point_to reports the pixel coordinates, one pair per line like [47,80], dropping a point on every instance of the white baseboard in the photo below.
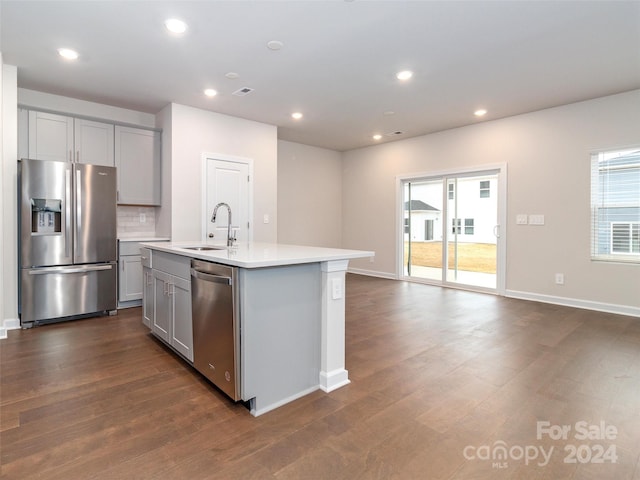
[330,381]
[256,412]
[372,273]
[536,297]
[9,324]
[576,303]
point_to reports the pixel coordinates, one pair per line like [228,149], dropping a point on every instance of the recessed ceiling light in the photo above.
[296,115]
[389,113]
[231,75]
[210,92]
[175,25]
[275,45]
[404,75]
[377,136]
[68,53]
[480,112]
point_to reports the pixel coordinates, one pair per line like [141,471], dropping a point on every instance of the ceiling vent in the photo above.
[243,91]
[393,134]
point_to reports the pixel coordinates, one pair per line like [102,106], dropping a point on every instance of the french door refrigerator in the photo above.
[67,237]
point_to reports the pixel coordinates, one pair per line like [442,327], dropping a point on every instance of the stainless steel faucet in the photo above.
[230,238]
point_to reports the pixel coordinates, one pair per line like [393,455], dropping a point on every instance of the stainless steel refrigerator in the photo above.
[67,237]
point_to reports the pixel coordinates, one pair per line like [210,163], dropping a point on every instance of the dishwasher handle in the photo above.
[208,277]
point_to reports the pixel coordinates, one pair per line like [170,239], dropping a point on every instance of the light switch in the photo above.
[521,219]
[536,219]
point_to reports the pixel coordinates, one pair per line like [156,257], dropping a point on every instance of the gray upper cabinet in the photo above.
[93,142]
[137,157]
[59,137]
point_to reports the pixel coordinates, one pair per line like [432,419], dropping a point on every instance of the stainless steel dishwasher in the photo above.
[215,333]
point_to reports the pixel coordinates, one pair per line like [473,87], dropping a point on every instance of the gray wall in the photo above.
[548,159]
[309,195]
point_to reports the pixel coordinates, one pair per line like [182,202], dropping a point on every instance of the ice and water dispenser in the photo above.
[46,216]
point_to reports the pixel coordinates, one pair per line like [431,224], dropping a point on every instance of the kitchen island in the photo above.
[289,313]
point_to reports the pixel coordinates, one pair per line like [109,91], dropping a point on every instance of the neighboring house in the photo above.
[425,224]
[474,200]
[616,204]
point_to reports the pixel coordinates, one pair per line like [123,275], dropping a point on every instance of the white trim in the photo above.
[334,266]
[203,174]
[576,303]
[373,273]
[257,412]
[9,324]
[330,381]
[500,170]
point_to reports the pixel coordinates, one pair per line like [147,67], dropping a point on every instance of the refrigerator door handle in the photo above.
[67,214]
[78,201]
[50,270]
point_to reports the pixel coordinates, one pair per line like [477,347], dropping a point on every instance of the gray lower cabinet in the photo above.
[171,289]
[130,281]
[147,287]
[130,284]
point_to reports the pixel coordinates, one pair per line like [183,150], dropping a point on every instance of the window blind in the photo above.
[615,206]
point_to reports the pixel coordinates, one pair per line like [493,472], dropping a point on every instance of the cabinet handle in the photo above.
[71,156]
[77,156]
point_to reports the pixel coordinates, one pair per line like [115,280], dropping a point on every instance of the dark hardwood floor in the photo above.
[441,381]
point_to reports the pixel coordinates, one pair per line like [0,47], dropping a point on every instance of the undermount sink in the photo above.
[201,248]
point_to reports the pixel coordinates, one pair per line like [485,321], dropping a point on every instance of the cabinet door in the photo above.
[50,137]
[137,156]
[162,306]
[147,302]
[93,142]
[130,284]
[182,333]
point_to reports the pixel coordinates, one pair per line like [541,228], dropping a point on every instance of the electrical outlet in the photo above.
[265,218]
[372,259]
[143,218]
[559,278]
[336,289]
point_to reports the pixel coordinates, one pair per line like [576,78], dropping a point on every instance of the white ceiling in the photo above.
[339,59]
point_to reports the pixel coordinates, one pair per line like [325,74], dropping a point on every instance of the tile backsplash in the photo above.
[134,220]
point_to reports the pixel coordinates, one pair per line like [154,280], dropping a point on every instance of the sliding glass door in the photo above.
[451,229]
[423,225]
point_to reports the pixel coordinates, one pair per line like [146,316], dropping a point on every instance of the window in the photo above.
[485,189]
[615,206]
[468,226]
[456,226]
[625,237]
[451,190]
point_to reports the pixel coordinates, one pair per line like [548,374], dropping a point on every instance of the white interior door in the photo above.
[227,181]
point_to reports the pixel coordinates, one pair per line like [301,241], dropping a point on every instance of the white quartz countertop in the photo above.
[258,255]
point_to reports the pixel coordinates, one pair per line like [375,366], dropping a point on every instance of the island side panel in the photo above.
[333,374]
[280,312]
